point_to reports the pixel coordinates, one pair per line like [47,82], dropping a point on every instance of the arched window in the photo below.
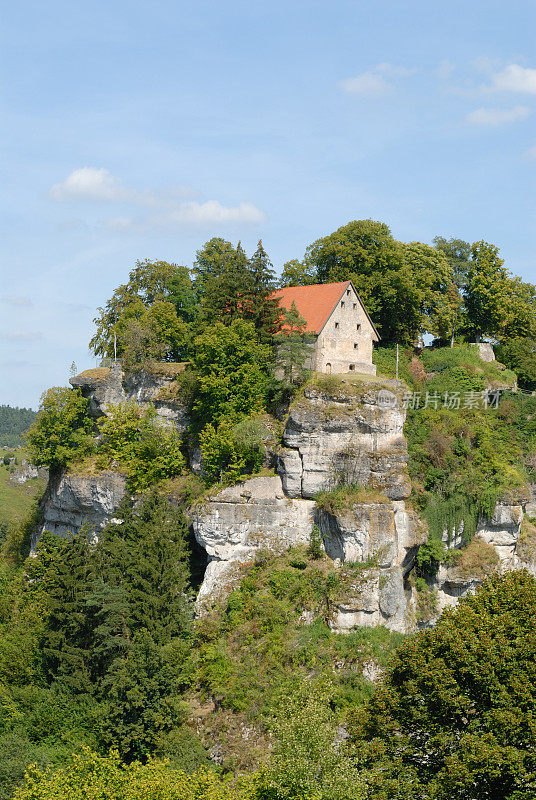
[328,368]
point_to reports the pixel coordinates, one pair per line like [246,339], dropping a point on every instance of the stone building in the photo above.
[336,316]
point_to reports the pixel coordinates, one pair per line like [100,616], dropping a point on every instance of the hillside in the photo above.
[240,566]
[13,423]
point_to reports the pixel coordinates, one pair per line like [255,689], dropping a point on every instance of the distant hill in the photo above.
[13,423]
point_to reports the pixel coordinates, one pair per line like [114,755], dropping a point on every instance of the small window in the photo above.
[336,325]
[355,306]
[352,367]
[358,326]
[356,346]
[348,293]
[342,303]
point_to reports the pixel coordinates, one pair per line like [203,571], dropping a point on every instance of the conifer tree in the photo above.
[147,557]
[66,643]
[262,308]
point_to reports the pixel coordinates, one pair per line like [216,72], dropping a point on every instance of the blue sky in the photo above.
[141,129]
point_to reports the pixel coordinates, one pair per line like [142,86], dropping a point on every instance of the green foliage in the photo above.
[316,545]
[147,452]
[293,347]
[232,371]
[248,651]
[149,283]
[231,451]
[519,355]
[13,423]
[406,288]
[152,334]
[90,775]
[429,557]
[453,716]
[61,432]
[298,273]
[308,760]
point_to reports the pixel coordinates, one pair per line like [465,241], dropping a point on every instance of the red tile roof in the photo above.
[314,303]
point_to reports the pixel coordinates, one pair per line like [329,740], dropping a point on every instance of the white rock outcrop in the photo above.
[72,501]
[107,386]
[240,520]
[352,438]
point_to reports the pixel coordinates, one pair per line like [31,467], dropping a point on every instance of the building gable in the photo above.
[317,303]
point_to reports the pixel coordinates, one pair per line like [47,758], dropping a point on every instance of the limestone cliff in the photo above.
[340,433]
[72,501]
[106,386]
[352,433]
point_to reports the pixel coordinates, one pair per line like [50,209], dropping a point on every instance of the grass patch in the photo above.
[95,375]
[16,500]
[167,369]
[477,560]
[344,498]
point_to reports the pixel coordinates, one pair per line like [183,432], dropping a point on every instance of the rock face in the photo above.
[106,386]
[350,438]
[350,434]
[498,544]
[71,501]
[233,524]
[385,537]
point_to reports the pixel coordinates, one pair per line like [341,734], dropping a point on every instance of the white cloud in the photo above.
[19,302]
[445,69]
[213,212]
[170,206]
[497,116]
[21,336]
[515,78]
[90,183]
[367,84]
[372,82]
[531,152]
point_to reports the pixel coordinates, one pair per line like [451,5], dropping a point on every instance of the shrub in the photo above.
[90,775]
[146,451]
[453,716]
[61,432]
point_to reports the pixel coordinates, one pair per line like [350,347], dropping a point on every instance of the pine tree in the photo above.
[262,308]
[67,641]
[147,557]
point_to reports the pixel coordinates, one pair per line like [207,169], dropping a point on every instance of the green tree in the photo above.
[88,775]
[222,457]
[211,261]
[454,714]
[293,347]
[520,356]
[183,295]
[148,283]
[62,430]
[401,285]
[147,556]
[142,700]
[226,293]
[298,273]
[66,643]
[458,254]
[131,436]
[232,369]
[487,291]
[262,308]
[308,759]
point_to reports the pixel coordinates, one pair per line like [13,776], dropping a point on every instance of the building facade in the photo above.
[335,314]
